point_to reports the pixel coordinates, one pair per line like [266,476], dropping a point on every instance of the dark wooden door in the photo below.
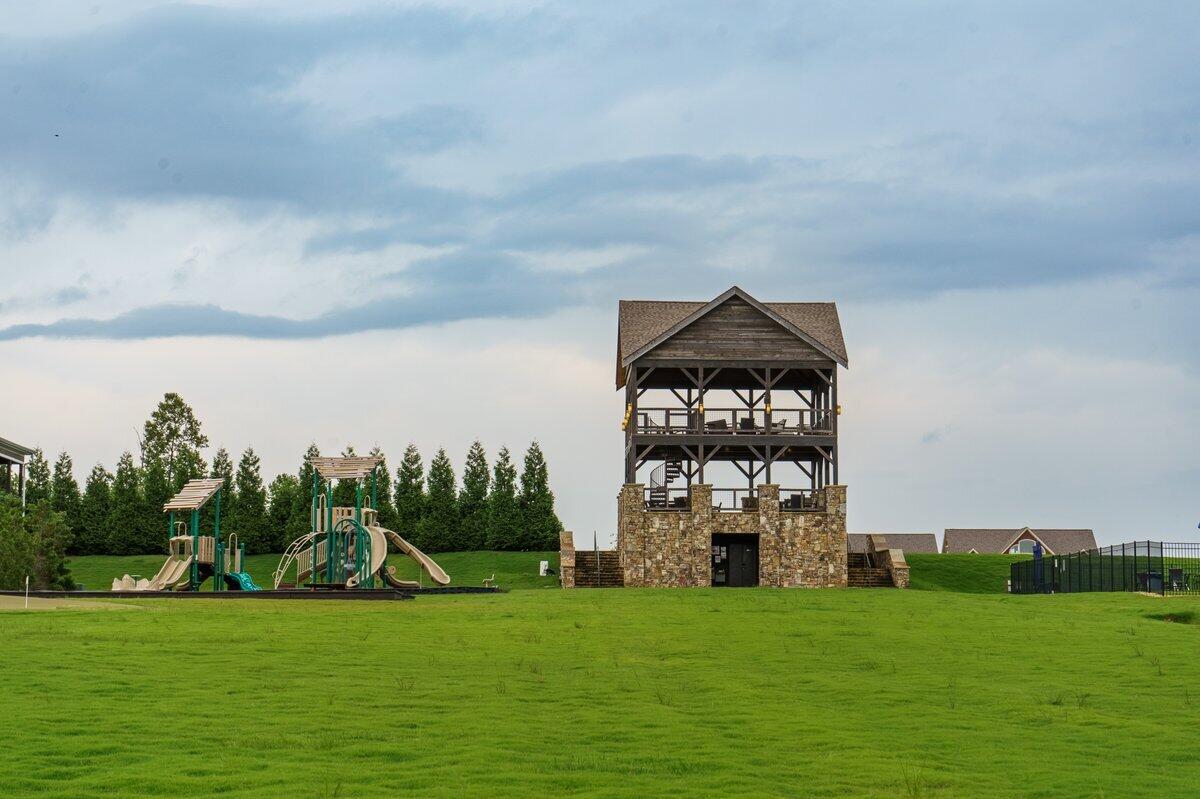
[735,561]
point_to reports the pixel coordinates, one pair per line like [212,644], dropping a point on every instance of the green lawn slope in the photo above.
[970,574]
[513,570]
[664,693]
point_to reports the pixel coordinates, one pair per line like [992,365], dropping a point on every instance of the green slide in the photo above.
[240,581]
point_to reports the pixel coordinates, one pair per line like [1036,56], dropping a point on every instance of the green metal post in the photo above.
[195,579]
[329,537]
[218,547]
[170,527]
[374,505]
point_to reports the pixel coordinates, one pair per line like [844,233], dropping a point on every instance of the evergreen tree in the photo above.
[300,520]
[172,438]
[37,479]
[438,528]
[65,497]
[50,536]
[383,491]
[540,527]
[504,511]
[410,494]
[17,551]
[283,491]
[249,519]
[126,513]
[222,467]
[343,490]
[93,538]
[472,501]
[156,491]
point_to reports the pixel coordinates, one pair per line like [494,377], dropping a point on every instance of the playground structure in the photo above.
[195,557]
[345,547]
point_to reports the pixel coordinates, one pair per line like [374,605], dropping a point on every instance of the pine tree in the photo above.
[343,490]
[126,512]
[17,551]
[65,498]
[37,479]
[410,494]
[472,501]
[282,500]
[383,491]
[94,511]
[504,512]
[249,519]
[156,492]
[439,524]
[222,467]
[50,535]
[540,527]
[172,438]
[300,520]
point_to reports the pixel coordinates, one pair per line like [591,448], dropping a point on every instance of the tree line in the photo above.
[120,512]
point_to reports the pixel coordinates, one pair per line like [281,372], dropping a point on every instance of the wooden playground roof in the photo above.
[194,494]
[345,468]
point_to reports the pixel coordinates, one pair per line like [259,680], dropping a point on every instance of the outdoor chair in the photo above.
[716,424]
[1177,580]
[746,424]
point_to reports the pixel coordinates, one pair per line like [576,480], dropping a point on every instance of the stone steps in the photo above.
[866,577]
[608,575]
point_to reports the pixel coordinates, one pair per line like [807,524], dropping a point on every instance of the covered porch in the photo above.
[13,458]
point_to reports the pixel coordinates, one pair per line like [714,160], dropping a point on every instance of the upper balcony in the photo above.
[735,421]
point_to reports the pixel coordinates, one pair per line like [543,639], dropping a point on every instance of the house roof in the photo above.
[12,452]
[643,324]
[1058,542]
[909,543]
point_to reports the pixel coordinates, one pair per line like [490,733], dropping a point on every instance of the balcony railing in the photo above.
[668,499]
[747,499]
[735,421]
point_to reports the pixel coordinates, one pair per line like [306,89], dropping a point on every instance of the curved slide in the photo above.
[174,571]
[435,572]
[379,553]
[240,581]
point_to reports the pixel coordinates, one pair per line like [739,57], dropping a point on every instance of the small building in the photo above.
[1021,540]
[13,455]
[731,443]
[909,543]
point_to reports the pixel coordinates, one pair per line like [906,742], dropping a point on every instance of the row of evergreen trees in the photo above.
[120,513]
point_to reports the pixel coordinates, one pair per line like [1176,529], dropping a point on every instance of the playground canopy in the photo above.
[194,494]
[345,468]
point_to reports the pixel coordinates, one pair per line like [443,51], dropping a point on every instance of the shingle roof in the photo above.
[641,321]
[919,543]
[1059,542]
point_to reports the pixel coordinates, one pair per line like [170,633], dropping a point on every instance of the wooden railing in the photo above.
[747,499]
[735,421]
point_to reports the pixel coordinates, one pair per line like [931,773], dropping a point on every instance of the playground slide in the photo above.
[378,554]
[435,572]
[240,581]
[175,570]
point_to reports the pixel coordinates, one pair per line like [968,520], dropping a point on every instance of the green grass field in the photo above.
[934,693]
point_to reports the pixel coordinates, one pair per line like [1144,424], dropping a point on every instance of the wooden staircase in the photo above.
[862,574]
[607,575]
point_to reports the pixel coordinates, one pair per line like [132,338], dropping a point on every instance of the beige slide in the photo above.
[379,553]
[435,572]
[174,571]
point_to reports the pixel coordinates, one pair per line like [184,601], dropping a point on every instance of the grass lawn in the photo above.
[972,574]
[607,693]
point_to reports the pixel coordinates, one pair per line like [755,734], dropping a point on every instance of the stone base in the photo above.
[673,548]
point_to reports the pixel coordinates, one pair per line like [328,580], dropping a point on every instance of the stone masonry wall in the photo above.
[668,548]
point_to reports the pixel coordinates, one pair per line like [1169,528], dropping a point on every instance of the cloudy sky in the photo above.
[377,223]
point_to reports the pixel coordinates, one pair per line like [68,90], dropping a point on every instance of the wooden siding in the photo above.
[735,330]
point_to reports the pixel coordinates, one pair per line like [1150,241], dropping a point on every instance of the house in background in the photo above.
[908,543]
[13,454]
[992,542]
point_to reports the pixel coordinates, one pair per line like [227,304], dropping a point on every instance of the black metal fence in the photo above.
[1150,566]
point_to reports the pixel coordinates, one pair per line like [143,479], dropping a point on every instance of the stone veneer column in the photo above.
[631,533]
[566,559]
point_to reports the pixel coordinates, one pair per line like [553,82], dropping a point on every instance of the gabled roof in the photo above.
[644,324]
[13,452]
[194,494]
[345,468]
[1057,542]
[909,543]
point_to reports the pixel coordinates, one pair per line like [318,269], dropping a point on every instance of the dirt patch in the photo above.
[43,603]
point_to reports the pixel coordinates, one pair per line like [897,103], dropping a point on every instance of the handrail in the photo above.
[290,555]
[735,421]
